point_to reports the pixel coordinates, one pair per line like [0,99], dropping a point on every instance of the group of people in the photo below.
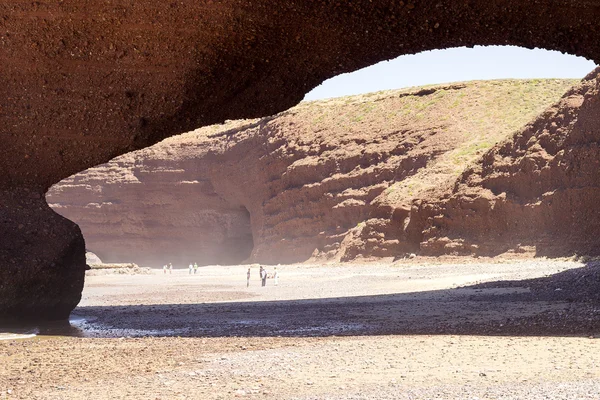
[193,267]
[263,276]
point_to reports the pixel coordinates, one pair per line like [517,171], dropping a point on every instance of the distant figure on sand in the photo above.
[248,278]
[170,268]
[263,276]
[276,276]
[165,268]
[191,268]
[195,268]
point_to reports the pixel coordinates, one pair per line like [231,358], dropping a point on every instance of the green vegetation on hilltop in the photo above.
[483,115]
[478,115]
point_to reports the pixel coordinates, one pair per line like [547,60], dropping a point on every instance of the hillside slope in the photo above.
[536,192]
[332,179]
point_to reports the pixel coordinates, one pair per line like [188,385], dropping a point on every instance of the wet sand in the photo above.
[488,330]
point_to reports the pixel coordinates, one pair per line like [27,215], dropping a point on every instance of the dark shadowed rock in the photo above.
[42,258]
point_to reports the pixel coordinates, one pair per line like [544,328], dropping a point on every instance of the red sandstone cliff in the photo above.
[331,179]
[538,191]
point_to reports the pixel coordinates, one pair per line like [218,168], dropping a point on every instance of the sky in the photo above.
[454,65]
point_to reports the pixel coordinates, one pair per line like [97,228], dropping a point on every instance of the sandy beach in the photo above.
[411,330]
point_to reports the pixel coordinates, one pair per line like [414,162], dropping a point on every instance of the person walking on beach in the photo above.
[248,278]
[170,268]
[263,276]
[191,268]
[165,269]
[195,268]
[276,276]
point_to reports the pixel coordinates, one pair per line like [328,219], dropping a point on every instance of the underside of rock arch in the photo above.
[82,82]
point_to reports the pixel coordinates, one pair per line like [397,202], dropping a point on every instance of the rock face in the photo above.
[330,179]
[155,207]
[56,268]
[82,82]
[537,192]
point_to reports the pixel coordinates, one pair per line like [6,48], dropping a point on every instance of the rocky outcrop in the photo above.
[537,192]
[82,82]
[329,180]
[56,268]
[91,258]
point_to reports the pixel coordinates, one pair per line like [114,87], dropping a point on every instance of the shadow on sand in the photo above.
[564,304]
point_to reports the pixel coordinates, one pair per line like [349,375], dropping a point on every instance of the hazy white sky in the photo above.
[452,65]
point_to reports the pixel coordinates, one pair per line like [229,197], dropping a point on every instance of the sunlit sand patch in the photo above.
[15,336]
[45,330]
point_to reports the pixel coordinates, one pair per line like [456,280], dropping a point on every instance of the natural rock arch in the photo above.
[82,83]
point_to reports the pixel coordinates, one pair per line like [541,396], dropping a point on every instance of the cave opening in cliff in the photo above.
[245,244]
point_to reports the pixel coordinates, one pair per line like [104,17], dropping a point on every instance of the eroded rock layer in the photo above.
[156,207]
[328,179]
[537,192]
